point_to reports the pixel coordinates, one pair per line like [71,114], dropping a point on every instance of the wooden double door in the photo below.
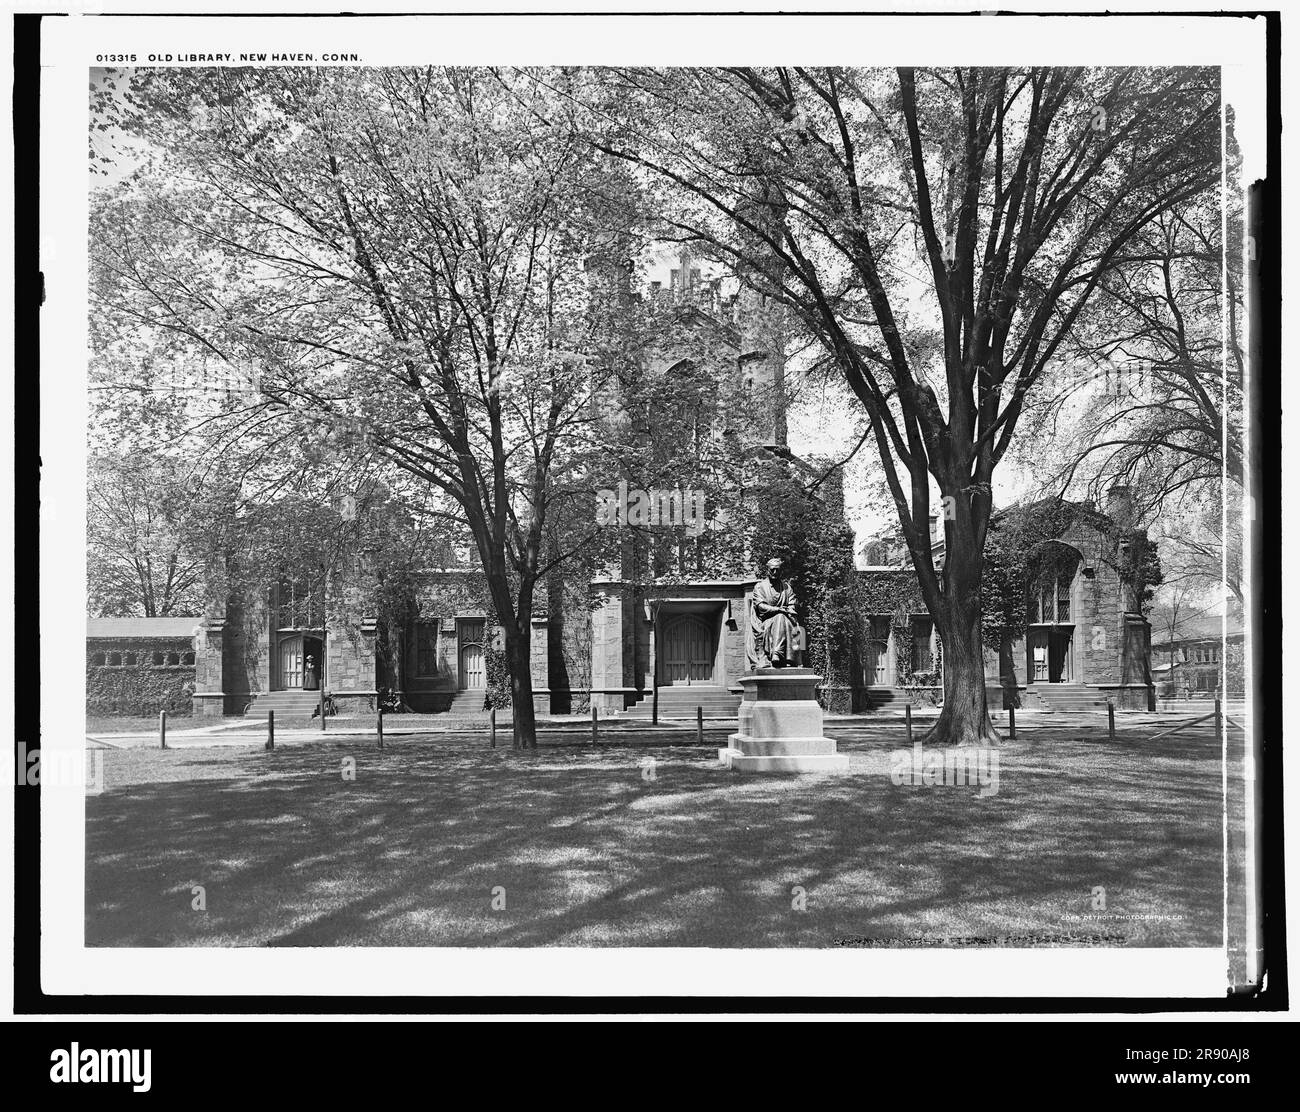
[688,649]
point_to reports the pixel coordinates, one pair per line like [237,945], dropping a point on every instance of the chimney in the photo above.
[1119,505]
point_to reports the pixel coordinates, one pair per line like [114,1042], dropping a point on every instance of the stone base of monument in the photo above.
[780,725]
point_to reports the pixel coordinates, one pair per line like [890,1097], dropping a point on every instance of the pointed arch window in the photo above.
[300,600]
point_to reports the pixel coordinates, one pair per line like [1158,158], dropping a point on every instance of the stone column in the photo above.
[244,667]
[539,664]
[209,646]
[607,642]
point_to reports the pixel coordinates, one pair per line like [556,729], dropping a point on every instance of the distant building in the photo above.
[1202,659]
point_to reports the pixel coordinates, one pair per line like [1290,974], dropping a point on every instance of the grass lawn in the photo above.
[591,851]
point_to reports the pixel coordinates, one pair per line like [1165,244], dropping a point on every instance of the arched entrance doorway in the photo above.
[877,654]
[299,662]
[472,671]
[1050,610]
[688,652]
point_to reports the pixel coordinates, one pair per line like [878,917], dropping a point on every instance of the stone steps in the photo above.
[680,702]
[883,698]
[286,704]
[1062,698]
[788,747]
[468,702]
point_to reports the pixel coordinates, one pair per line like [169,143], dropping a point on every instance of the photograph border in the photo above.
[30,997]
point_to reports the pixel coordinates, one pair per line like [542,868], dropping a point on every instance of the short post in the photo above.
[1110,719]
[322,702]
[1011,722]
[492,726]
[1218,716]
[270,729]
[379,723]
[654,704]
[699,725]
[595,736]
[907,710]
[162,729]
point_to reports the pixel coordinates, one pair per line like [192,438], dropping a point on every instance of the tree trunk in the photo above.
[519,663]
[964,719]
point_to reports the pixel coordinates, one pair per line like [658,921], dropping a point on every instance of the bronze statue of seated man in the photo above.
[775,632]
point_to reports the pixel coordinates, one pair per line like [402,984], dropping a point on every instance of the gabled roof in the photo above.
[142,627]
[1205,627]
[1070,511]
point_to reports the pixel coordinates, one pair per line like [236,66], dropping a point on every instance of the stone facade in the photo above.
[350,667]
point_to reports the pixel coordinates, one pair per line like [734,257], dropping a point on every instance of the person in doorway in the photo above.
[310,682]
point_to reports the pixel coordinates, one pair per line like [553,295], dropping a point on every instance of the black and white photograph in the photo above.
[748,503]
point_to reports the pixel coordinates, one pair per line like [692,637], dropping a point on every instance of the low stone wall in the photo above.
[139,676]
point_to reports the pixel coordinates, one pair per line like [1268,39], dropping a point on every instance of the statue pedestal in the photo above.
[781,725]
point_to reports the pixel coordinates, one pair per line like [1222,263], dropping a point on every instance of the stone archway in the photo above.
[1051,612]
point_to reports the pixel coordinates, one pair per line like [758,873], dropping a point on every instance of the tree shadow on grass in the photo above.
[447,847]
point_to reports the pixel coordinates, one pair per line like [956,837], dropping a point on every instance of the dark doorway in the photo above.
[1051,654]
[313,663]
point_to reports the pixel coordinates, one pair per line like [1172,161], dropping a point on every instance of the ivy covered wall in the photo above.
[139,676]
